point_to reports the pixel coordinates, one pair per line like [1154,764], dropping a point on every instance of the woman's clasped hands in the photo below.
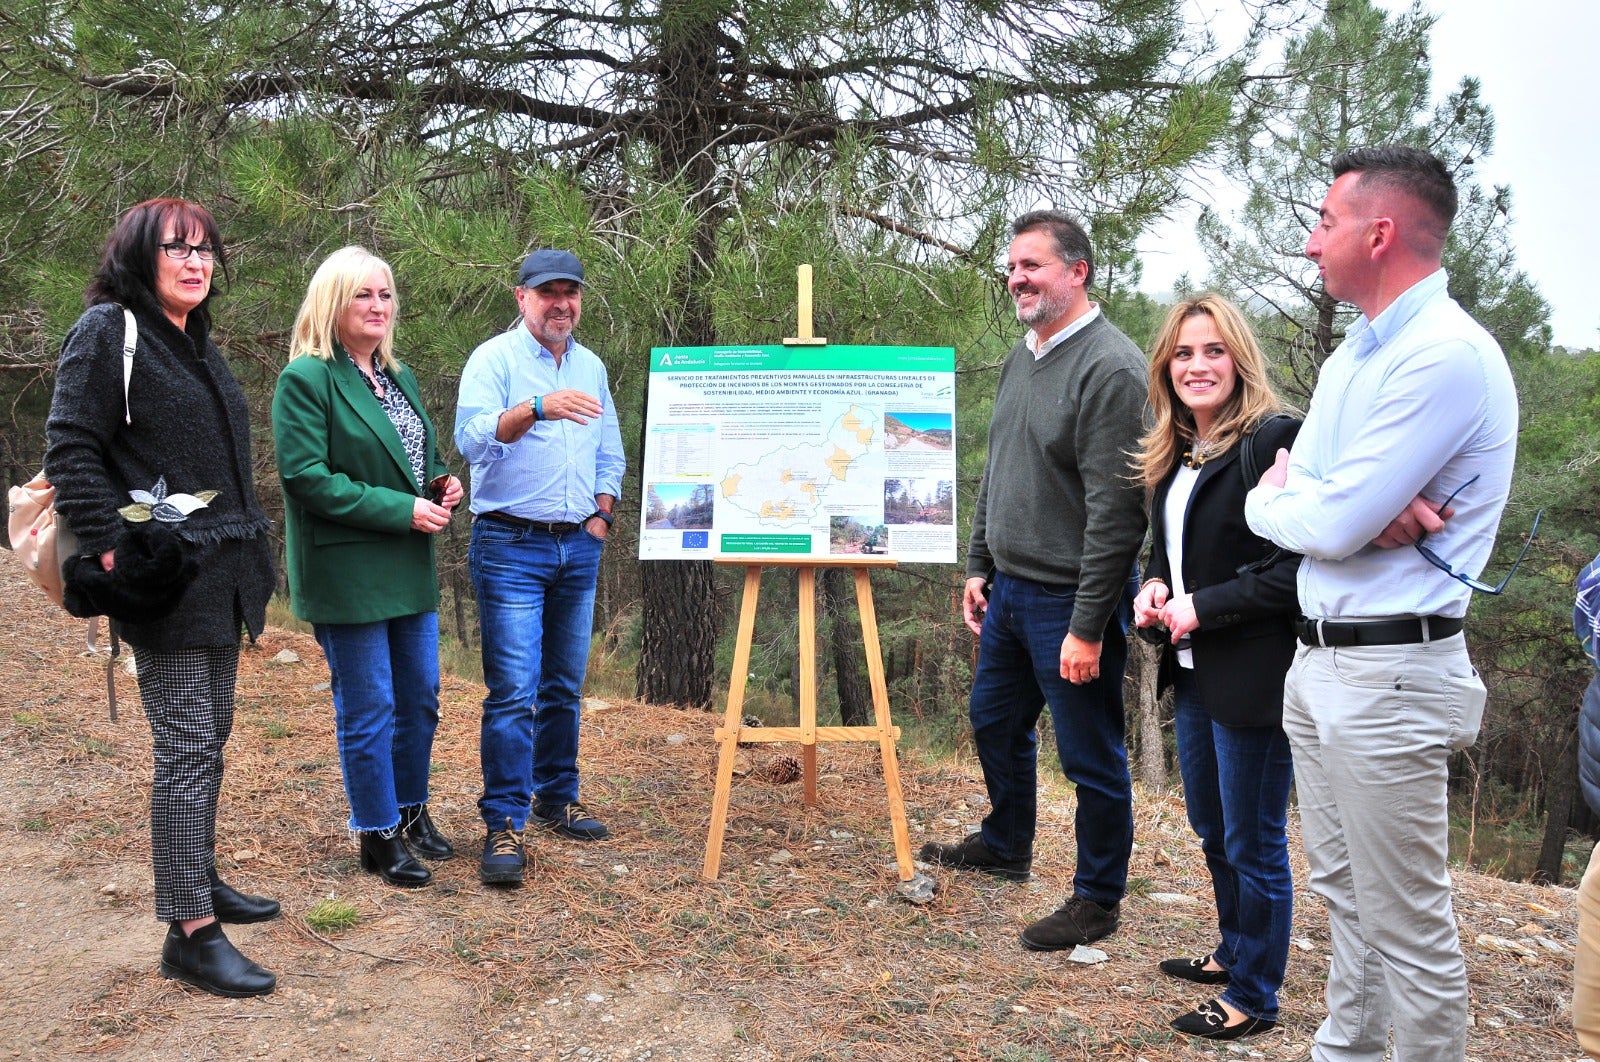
[1156,607]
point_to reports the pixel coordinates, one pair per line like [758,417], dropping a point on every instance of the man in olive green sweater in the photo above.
[1058,524]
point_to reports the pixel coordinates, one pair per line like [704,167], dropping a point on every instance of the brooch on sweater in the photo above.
[157,504]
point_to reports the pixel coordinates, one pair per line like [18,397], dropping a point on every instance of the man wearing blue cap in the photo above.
[536,423]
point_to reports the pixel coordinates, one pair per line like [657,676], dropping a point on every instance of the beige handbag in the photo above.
[36,534]
[40,537]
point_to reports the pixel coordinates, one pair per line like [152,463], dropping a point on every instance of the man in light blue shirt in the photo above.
[536,423]
[1416,404]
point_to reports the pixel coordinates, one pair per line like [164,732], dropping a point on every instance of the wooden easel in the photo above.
[808,733]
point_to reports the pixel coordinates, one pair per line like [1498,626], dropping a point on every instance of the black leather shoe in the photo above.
[1211,1021]
[1194,970]
[385,854]
[239,908]
[208,960]
[972,854]
[422,836]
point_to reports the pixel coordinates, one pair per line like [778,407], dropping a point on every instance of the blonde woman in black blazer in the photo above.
[1223,601]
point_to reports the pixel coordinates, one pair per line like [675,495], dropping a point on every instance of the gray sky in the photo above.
[1536,60]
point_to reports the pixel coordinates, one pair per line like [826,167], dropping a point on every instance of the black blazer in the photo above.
[1245,641]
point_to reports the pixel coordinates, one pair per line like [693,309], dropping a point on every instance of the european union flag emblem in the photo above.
[697,540]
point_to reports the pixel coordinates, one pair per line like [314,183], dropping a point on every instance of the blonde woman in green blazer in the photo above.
[364,493]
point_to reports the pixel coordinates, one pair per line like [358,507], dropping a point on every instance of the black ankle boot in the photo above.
[208,960]
[384,853]
[239,908]
[422,836]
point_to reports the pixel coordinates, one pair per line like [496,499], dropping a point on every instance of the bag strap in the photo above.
[1250,467]
[130,340]
[1249,463]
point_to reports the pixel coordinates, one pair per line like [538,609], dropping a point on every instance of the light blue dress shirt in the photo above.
[1418,400]
[554,471]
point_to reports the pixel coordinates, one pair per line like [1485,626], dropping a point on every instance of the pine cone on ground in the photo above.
[780,770]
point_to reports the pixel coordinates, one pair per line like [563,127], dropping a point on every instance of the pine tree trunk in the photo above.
[1152,747]
[1558,792]
[855,704]
[677,658]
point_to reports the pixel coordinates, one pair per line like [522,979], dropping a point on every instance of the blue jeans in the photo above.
[535,611]
[1236,783]
[386,708]
[1019,671]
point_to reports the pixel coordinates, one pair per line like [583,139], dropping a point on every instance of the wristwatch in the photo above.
[602,514]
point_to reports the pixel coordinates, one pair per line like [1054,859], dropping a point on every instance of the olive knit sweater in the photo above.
[1059,502]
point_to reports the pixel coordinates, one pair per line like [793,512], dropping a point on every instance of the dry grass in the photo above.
[803,945]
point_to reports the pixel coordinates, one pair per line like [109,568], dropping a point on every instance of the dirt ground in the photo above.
[803,948]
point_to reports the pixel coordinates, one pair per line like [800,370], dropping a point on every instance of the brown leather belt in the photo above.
[544,526]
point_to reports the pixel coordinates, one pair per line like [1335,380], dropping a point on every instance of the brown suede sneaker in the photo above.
[1078,921]
[972,854]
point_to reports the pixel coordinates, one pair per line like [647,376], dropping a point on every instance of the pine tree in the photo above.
[691,151]
[1358,77]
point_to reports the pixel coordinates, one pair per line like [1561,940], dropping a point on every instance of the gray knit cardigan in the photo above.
[191,427]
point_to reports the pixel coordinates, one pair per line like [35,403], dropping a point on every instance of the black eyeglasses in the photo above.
[181,251]
[1481,587]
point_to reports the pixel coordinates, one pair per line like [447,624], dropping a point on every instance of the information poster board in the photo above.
[800,450]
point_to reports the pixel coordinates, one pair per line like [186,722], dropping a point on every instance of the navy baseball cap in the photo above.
[542,266]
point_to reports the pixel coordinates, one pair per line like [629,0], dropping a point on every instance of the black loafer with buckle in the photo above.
[1194,970]
[1210,1021]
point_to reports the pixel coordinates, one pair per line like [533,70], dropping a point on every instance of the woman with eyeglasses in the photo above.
[1224,601]
[178,432]
[364,494]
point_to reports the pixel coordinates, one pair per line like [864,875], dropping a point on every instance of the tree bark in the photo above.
[1558,810]
[855,704]
[1152,747]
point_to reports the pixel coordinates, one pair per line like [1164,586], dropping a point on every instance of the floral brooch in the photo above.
[157,504]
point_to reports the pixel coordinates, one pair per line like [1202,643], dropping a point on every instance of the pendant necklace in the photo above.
[1197,453]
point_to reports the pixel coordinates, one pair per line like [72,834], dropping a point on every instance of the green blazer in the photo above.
[348,496]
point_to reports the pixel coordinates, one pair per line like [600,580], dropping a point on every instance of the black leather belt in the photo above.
[529,525]
[1413,629]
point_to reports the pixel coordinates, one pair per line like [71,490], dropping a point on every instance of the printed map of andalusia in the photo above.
[785,487]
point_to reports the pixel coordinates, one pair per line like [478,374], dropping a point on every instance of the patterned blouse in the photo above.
[413,435]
